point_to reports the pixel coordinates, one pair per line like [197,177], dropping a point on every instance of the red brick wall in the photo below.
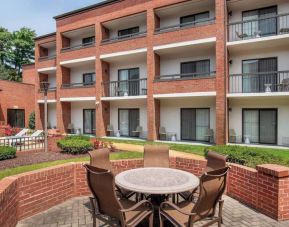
[28,74]
[15,95]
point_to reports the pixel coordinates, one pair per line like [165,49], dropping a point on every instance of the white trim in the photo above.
[255,40]
[123,98]
[77,99]
[187,43]
[48,101]
[122,53]
[243,95]
[192,94]
[78,60]
[46,69]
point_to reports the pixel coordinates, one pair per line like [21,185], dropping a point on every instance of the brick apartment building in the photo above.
[189,69]
[17,100]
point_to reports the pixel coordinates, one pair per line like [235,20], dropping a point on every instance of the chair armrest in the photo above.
[176,208]
[137,206]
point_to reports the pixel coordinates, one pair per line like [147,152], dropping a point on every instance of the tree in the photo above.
[5,44]
[32,120]
[7,73]
[22,51]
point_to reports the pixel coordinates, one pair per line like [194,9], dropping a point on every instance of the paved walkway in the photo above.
[74,213]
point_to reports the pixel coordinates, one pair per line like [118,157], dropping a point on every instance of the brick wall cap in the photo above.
[242,167]
[274,170]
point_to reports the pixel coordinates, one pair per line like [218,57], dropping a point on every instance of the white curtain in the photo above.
[123,122]
[123,81]
[251,125]
[202,123]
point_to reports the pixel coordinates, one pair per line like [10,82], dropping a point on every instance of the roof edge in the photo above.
[45,36]
[87,8]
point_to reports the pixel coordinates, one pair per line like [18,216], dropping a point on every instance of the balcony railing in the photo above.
[257,28]
[260,82]
[125,37]
[125,88]
[185,76]
[196,23]
[76,47]
[78,85]
[49,89]
[44,58]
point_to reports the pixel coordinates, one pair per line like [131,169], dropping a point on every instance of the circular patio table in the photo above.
[157,181]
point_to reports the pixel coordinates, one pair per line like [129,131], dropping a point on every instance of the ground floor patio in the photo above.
[75,212]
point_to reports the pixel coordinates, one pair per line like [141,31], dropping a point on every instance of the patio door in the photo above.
[194,124]
[260,125]
[128,81]
[128,120]
[89,121]
[16,118]
[197,68]
[258,72]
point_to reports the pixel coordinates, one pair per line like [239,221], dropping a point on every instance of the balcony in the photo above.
[259,28]
[51,94]
[78,85]
[265,82]
[124,37]
[44,58]
[78,46]
[75,90]
[185,76]
[125,88]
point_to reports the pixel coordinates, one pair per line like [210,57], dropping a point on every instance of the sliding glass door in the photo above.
[128,120]
[194,124]
[16,118]
[260,125]
[128,81]
[89,121]
[258,72]
[197,68]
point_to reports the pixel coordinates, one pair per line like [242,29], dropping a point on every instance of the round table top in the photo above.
[157,180]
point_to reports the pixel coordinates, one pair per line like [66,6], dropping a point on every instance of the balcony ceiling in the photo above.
[49,45]
[88,31]
[125,22]
[249,4]
[134,57]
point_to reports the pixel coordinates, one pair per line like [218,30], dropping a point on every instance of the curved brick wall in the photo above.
[21,196]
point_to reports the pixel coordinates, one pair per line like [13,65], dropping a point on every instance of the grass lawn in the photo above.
[27,168]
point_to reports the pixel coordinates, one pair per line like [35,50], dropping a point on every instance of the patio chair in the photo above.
[105,202]
[210,135]
[186,213]
[284,86]
[232,136]
[138,131]
[215,161]
[162,133]
[100,159]
[110,130]
[37,133]
[241,35]
[156,156]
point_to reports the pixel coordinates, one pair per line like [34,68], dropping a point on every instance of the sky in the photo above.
[36,14]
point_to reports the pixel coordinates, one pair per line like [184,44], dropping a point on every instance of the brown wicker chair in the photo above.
[186,213]
[105,202]
[156,156]
[214,161]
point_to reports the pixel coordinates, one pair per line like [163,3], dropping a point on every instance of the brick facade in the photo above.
[21,196]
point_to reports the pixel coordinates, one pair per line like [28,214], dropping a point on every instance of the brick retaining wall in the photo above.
[265,188]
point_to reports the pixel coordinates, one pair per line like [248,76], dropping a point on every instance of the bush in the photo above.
[32,120]
[252,156]
[7,152]
[75,144]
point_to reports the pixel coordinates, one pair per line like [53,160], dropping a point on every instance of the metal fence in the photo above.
[185,76]
[257,28]
[125,88]
[124,37]
[80,46]
[23,143]
[77,85]
[259,82]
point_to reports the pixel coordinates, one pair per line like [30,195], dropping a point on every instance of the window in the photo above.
[194,124]
[16,118]
[127,32]
[88,79]
[261,22]
[197,68]
[128,81]
[260,125]
[128,121]
[88,41]
[258,72]
[195,19]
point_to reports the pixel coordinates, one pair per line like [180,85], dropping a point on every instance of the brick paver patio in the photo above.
[75,213]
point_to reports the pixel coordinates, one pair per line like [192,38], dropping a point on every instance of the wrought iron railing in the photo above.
[78,85]
[23,143]
[257,28]
[41,90]
[124,37]
[80,46]
[185,76]
[43,58]
[259,82]
[125,88]
[195,23]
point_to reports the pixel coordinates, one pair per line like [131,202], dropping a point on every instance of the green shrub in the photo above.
[32,120]
[252,156]
[74,146]
[7,152]
[78,137]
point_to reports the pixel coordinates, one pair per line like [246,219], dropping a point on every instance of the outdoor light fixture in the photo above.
[44,86]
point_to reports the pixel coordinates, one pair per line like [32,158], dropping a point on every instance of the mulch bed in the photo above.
[27,158]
